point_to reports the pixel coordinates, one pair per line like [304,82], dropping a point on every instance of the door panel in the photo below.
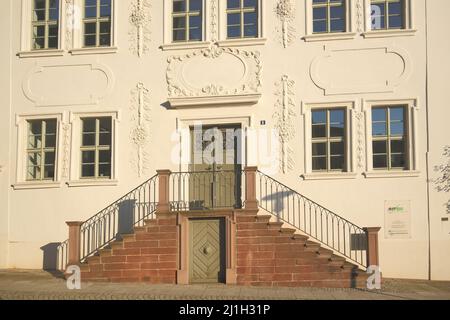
[207,252]
[215,183]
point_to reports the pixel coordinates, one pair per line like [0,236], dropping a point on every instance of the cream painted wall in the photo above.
[439,137]
[5,104]
[37,216]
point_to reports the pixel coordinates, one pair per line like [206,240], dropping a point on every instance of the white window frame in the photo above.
[75,159]
[411,118]
[350,151]
[169,44]
[22,142]
[348,34]
[26,48]
[222,27]
[78,31]
[409,29]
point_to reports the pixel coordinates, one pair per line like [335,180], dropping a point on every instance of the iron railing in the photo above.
[62,255]
[118,218]
[314,220]
[203,190]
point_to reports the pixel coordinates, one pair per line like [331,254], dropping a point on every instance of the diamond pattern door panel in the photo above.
[206,250]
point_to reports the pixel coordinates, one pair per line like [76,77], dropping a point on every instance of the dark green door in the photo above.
[207,251]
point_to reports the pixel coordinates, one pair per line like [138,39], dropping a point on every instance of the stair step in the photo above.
[140,229]
[312,246]
[150,222]
[287,230]
[128,237]
[93,260]
[300,237]
[337,261]
[117,245]
[275,225]
[105,252]
[253,218]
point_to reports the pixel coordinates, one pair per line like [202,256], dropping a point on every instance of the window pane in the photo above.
[105,11]
[378,12]
[195,34]
[179,22]
[234,31]
[337,123]
[49,158]
[179,35]
[104,156]
[105,139]
[35,127]
[337,163]
[89,125]
[105,27]
[90,12]
[319,163]
[379,129]
[33,173]
[88,139]
[337,148]
[179,5]
[234,19]
[379,147]
[319,117]
[397,146]
[250,3]
[88,157]
[380,161]
[89,41]
[49,172]
[39,4]
[378,114]
[88,171]
[53,43]
[319,131]
[50,140]
[397,129]
[398,161]
[232,4]
[104,170]
[105,40]
[195,5]
[35,141]
[319,149]
[34,159]
[39,43]
[39,15]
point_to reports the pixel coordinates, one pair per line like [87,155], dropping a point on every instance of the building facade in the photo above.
[342,101]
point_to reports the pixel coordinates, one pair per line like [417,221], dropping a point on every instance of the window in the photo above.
[242,19]
[97,23]
[387,14]
[45,24]
[187,20]
[96,148]
[389,138]
[328,140]
[329,16]
[41,150]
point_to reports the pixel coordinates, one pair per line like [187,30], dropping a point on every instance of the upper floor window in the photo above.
[387,14]
[187,20]
[97,23]
[329,16]
[41,149]
[328,140]
[242,19]
[389,137]
[45,20]
[96,143]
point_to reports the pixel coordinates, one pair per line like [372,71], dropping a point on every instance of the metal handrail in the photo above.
[197,190]
[118,218]
[313,219]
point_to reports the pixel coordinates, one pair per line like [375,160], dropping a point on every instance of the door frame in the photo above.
[183,272]
[222,249]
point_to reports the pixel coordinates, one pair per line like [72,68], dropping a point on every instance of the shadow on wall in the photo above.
[50,259]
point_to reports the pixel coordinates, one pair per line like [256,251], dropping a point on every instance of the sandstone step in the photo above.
[93,260]
[275,225]
[116,245]
[105,252]
[287,231]
[253,218]
[139,229]
[128,237]
[312,246]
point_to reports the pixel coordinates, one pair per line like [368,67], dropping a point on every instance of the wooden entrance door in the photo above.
[215,170]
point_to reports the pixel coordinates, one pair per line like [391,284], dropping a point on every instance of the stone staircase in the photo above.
[266,254]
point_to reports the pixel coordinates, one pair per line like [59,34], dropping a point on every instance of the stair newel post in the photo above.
[74,242]
[250,188]
[372,246]
[163,200]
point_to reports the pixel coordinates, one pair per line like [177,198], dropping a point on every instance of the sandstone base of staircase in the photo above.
[265,254]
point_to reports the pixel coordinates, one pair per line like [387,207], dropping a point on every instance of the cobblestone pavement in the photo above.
[32,284]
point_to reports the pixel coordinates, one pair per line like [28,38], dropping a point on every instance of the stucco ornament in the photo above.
[360,142]
[140,132]
[243,74]
[140,27]
[284,117]
[285,11]
[66,150]
[443,181]
[359,15]
[214,20]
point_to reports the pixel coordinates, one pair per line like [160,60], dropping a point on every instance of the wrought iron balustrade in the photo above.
[311,218]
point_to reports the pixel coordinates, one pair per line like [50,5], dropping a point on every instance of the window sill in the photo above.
[93,183]
[329,36]
[40,53]
[389,33]
[242,42]
[36,185]
[93,50]
[185,45]
[329,176]
[391,174]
